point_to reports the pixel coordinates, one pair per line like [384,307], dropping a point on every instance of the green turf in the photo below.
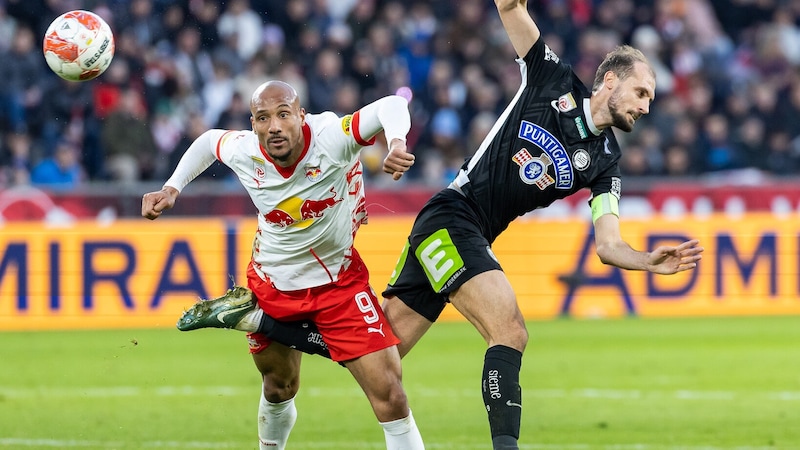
[632,384]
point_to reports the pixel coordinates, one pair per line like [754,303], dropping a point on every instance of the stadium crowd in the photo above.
[728,86]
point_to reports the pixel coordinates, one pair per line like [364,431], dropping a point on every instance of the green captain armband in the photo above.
[604,204]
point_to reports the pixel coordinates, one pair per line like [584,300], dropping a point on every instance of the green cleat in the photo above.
[223,312]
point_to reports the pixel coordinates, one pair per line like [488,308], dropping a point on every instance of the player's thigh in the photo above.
[488,301]
[280,370]
[408,325]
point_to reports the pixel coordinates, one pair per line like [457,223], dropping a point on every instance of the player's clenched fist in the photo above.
[154,203]
[398,160]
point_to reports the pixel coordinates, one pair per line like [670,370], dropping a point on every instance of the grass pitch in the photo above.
[630,384]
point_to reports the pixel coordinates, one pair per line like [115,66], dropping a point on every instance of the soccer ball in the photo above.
[78,45]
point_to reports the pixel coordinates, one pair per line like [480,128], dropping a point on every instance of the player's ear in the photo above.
[609,80]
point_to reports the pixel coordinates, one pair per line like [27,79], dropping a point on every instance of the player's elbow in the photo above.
[605,253]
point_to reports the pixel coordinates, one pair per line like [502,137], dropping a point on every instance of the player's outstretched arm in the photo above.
[665,260]
[197,158]
[518,23]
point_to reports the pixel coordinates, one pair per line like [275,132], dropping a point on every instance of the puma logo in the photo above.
[376,330]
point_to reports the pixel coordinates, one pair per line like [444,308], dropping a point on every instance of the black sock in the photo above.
[301,335]
[502,395]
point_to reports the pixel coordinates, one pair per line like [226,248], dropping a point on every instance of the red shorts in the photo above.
[347,312]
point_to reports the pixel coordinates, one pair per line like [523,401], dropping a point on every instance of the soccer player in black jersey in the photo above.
[553,140]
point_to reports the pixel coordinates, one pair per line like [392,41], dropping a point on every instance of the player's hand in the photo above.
[668,260]
[398,161]
[154,203]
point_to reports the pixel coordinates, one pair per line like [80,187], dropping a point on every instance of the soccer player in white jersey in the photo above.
[302,172]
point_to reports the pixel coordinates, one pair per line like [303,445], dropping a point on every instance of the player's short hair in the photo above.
[621,61]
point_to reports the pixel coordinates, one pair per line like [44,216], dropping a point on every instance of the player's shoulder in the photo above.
[329,125]
[229,144]
[321,121]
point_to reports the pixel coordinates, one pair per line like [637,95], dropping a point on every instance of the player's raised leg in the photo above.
[489,303]
[280,372]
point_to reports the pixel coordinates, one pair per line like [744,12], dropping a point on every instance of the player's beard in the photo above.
[619,118]
[280,155]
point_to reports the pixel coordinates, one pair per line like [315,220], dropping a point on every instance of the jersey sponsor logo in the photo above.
[440,259]
[581,128]
[581,159]
[566,102]
[347,122]
[301,213]
[553,148]
[533,170]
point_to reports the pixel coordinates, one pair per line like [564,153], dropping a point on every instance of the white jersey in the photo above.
[308,214]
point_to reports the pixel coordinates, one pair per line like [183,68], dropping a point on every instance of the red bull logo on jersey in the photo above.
[301,213]
[313,173]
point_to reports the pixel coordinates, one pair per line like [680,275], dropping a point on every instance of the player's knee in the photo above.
[514,334]
[392,405]
[278,389]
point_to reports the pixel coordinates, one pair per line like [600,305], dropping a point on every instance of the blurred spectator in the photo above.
[720,154]
[677,161]
[60,172]
[781,159]
[217,93]
[17,160]
[236,116]
[244,25]
[326,77]
[20,91]
[127,140]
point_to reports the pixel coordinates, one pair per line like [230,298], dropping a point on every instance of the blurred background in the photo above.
[722,133]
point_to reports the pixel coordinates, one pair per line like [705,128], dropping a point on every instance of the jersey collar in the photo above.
[587,111]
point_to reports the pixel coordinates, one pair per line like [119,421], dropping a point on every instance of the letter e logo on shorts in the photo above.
[439,258]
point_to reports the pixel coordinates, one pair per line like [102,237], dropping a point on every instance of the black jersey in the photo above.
[542,148]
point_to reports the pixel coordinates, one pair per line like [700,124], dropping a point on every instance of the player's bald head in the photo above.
[274,90]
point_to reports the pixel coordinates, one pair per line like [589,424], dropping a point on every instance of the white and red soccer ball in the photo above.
[78,45]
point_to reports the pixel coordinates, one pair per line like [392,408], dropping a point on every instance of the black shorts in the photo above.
[446,248]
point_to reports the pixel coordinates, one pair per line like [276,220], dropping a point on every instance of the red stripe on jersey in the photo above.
[286,172]
[357,132]
[219,144]
[321,263]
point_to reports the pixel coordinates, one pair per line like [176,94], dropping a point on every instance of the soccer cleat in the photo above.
[223,312]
